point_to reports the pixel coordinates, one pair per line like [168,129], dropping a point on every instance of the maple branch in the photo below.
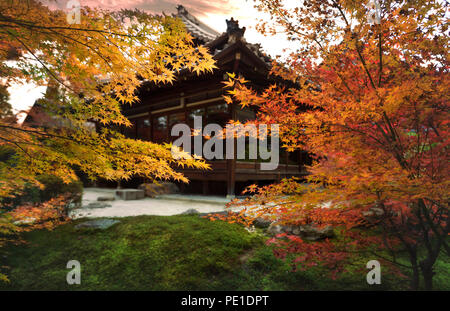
[84,44]
[31,26]
[17,145]
[388,260]
[424,231]
[51,135]
[293,29]
[380,49]
[41,62]
[433,226]
[359,132]
[363,62]
[356,44]
[336,5]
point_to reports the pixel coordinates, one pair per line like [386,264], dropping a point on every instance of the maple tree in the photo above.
[371,106]
[5,106]
[92,68]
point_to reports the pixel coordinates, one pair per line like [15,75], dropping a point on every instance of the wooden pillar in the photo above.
[231,163]
[182,187]
[231,178]
[150,117]
[205,187]
[300,161]
[286,161]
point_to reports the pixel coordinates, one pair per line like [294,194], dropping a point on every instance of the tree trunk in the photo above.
[415,280]
[427,273]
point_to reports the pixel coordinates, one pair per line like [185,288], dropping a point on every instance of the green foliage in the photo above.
[5,106]
[169,253]
[146,252]
[52,187]
[6,153]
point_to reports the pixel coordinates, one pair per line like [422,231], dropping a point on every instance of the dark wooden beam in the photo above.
[231,163]
[205,187]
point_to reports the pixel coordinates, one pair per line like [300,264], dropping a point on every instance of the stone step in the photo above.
[130,194]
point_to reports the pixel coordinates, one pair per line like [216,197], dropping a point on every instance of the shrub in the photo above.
[6,153]
[53,187]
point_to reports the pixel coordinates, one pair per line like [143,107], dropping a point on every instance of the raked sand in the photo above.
[165,205]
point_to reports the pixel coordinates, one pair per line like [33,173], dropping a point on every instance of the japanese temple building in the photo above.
[163,106]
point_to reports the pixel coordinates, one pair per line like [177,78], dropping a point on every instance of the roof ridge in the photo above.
[195,22]
[211,38]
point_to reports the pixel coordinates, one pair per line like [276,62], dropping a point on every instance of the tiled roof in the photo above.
[195,27]
[215,41]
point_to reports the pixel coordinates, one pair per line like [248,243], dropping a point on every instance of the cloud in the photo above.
[198,7]
[211,12]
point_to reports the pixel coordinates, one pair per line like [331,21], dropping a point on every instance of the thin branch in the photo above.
[41,62]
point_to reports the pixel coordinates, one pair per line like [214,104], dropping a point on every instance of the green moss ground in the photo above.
[171,253]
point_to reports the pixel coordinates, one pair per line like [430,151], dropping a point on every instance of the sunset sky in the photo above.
[211,12]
